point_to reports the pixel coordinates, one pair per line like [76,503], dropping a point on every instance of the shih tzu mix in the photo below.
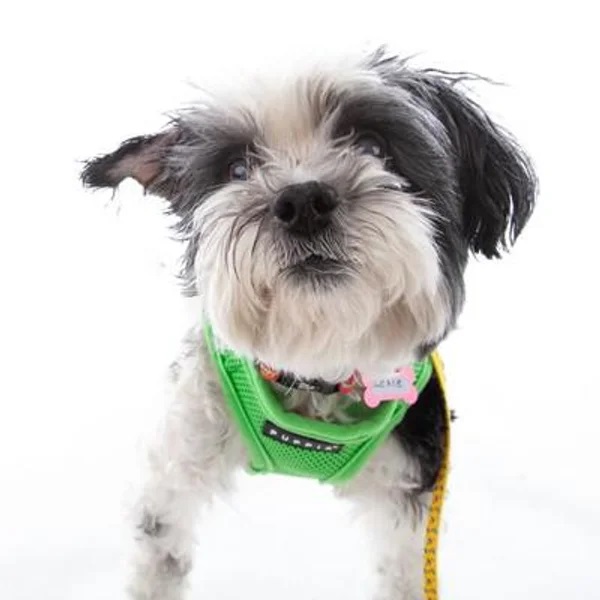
[327,219]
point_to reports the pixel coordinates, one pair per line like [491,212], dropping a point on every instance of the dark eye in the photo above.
[372,144]
[239,170]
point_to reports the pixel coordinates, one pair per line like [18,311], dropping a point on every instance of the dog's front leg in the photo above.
[196,454]
[395,514]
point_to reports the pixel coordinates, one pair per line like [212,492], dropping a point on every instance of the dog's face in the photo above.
[328,218]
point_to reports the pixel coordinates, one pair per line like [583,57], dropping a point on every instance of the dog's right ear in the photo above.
[143,158]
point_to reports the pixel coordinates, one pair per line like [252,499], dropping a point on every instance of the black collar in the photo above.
[291,381]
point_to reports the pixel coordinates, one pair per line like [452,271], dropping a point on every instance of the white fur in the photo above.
[196,454]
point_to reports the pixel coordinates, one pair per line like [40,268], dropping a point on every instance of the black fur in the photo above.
[152,526]
[422,433]
[101,171]
[421,151]
[496,179]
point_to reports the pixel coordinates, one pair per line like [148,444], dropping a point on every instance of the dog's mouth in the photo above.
[319,264]
[318,269]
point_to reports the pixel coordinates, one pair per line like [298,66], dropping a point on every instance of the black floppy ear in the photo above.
[143,158]
[496,178]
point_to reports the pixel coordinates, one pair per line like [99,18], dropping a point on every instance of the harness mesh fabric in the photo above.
[254,405]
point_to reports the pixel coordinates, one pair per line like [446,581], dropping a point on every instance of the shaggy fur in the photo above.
[328,219]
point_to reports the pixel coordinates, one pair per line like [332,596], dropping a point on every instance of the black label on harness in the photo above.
[299,441]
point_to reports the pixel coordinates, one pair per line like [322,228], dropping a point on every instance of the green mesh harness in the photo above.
[286,443]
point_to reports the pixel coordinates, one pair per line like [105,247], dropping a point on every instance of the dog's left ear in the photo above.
[496,178]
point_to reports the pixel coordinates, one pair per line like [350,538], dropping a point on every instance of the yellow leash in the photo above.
[430,576]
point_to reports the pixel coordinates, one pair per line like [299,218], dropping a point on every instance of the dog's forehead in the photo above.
[290,111]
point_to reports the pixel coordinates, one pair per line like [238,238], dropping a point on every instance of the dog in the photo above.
[327,217]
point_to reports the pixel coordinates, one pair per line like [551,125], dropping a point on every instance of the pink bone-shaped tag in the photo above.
[400,385]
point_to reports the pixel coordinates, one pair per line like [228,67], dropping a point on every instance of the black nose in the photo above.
[305,208]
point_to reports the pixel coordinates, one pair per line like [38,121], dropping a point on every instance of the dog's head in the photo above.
[328,218]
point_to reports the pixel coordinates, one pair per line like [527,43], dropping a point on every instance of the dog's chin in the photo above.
[322,322]
[319,315]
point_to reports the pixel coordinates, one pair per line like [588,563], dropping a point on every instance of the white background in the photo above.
[90,313]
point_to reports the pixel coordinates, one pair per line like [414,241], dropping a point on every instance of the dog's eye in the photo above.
[239,170]
[372,144]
